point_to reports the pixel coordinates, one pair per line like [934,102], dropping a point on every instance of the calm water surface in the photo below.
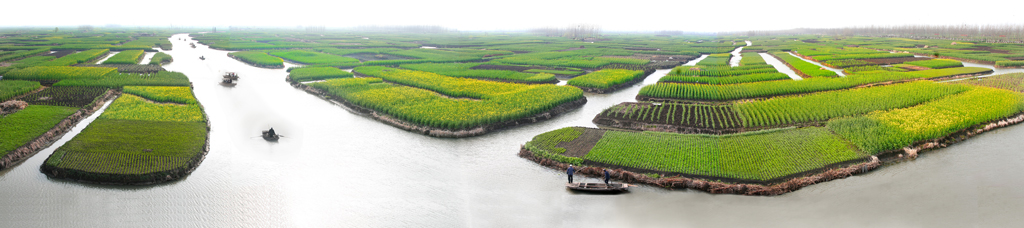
[338,169]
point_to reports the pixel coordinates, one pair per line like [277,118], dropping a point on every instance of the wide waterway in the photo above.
[338,169]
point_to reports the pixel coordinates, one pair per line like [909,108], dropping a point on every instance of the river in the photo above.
[337,169]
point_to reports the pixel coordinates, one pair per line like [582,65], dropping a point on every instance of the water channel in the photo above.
[338,169]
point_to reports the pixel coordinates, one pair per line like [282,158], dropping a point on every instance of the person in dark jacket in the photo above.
[607,177]
[570,171]
[271,132]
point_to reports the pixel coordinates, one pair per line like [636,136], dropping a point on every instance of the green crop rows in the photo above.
[303,74]
[607,78]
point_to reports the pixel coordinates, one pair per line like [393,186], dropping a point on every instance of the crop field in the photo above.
[725,79]
[257,58]
[21,127]
[721,71]
[607,78]
[688,115]
[160,58]
[77,58]
[1012,82]
[117,146]
[173,94]
[125,57]
[749,156]
[751,58]
[303,74]
[936,63]
[67,96]
[465,70]
[131,107]
[715,60]
[314,58]
[883,131]
[59,72]
[118,80]
[804,68]
[12,88]
[146,130]
[446,102]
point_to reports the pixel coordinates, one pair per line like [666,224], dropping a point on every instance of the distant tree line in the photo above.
[984,32]
[406,29]
[576,32]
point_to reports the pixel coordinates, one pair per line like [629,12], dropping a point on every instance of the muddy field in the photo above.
[580,146]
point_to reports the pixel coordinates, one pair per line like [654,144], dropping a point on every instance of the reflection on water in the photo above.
[779,66]
[338,169]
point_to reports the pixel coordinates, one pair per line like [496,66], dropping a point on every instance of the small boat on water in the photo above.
[228,82]
[202,58]
[270,135]
[231,76]
[598,187]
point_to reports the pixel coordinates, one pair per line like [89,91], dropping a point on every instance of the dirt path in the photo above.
[582,145]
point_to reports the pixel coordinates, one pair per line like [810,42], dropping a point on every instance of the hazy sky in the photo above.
[622,15]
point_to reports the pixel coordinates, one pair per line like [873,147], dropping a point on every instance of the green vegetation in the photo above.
[315,58]
[751,156]
[862,56]
[125,57]
[1012,82]
[303,74]
[562,72]
[804,67]
[544,145]
[136,140]
[12,88]
[490,102]
[465,70]
[260,59]
[715,60]
[1017,63]
[22,54]
[827,105]
[721,71]
[160,58]
[131,107]
[118,80]
[751,58]
[933,73]
[59,72]
[607,78]
[175,94]
[23,126]
[883,131]
[67,96]
[114,146]
[725,80]
[31,61]
[77,58]
[767,88]
[936,63]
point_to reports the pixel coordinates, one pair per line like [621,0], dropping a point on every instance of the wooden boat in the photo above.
[598,187]
[267,135]
[228,82]
[202,58]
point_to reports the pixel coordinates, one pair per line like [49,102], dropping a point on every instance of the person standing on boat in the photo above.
[570,171]
[607,177]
